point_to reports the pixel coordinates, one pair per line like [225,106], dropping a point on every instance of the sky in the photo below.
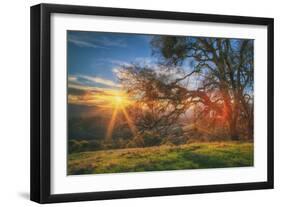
[97,54]
[93,59]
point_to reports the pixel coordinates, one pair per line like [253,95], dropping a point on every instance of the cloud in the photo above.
[82,90]
[85,82]
[91,96]
[72,78]
[114,62]
[146,60]
[100,80]
[83,43]
[79,86]
[116,70]
[120,62]
[87,40]
[76,91]
[110,42]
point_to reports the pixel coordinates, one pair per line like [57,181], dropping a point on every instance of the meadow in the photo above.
[165,157]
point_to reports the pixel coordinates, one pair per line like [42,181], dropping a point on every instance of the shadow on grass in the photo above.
[201,156]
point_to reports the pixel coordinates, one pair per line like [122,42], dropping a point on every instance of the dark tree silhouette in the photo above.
[159,99]
[226,65]
[223,69]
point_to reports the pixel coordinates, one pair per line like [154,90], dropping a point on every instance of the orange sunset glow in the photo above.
[140,102]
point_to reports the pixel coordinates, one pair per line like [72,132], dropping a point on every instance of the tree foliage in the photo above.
[219,82]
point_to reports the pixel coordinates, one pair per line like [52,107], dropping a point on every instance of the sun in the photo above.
[119,103]
[119,100]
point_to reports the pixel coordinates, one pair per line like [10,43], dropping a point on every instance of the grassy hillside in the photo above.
[189,156]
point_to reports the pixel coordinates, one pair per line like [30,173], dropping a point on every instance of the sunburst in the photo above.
[119,102]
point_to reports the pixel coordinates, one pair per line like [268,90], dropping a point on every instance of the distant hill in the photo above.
[77,111]
[91,123]
[86,122]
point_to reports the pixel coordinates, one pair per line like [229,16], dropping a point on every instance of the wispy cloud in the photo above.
[116,42]
[91,96]
[72,78]
[83,43]
[87,40]
[116,70]
[85,81]
[81,87]
[100,80]
[120,63]
[113,62]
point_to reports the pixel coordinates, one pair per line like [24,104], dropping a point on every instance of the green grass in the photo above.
[189,156]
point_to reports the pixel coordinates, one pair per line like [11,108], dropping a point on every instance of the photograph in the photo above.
[153,102]
[133,103]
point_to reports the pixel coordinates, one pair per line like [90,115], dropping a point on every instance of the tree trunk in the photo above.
[250,129]
[233,130]
[231,113]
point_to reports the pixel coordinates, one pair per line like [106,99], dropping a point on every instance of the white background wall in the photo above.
[14,101]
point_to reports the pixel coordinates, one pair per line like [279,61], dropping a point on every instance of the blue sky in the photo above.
[96,54]
[93,61]
[94,57]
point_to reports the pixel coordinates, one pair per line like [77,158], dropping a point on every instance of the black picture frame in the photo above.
[41,99]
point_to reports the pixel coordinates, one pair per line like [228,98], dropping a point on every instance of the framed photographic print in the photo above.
[133,103]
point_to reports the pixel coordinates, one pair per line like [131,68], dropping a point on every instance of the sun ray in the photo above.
[129,121]
[117,101]
[110,128]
